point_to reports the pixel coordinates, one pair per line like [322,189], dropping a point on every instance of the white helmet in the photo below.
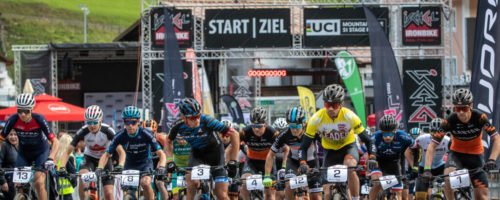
[93,113]
[25,100]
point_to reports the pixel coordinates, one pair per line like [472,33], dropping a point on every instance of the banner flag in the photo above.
[307,100]
[173,86]
[348,70]
[234,108]
[208,106]
[386,78]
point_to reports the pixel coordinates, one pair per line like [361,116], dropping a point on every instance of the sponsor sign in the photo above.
[250,28]
[36,67]
[325,27]
[183,27]
[423,96]
[421,25]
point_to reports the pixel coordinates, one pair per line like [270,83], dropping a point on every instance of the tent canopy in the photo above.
[52,108]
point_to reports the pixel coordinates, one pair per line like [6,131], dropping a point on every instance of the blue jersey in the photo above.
[137,147]
[393,150]
[33,136]
[201,137]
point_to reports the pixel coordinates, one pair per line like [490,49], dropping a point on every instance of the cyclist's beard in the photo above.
[464,117]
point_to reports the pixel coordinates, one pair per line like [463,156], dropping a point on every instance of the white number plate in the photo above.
[365,189]
[298,181]
[22,175]
[181,182]
[89,177]
[200,172]
[388,181]
[337,173]
[169,187]
[130,178]
[254,182]
[459,179]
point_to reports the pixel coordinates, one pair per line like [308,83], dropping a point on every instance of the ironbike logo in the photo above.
[487,66]
[420,18]
[424,96]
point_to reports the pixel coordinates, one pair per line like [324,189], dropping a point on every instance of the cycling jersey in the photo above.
[32,136]
[181,154]
[335,133]
[286,137]
[466,137]
[95,143]
[258,147]
[161,139]
[392,151]
[423,142]
[137,146]
[201,137]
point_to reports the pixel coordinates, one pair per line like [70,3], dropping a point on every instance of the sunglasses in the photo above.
[25,111]
[295,126]
[257,125]
[193,118]
[461,108]
[130,122]
[388,134]
[332,105]
[92,122]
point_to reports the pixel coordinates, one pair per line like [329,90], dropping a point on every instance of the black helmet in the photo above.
[462,97]
[333,93]
[436,124]
[258,115]
[388,123]
[189,107]
[296,115]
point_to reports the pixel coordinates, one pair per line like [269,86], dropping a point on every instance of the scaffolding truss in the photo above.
[297,51]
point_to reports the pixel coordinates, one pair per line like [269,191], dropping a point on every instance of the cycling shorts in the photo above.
[142,166]
[469,161]
[213,157]
[90,164]
[28,159]
[257,167]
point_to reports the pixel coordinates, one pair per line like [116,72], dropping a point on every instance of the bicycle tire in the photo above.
[436,197]
[128,197]
[20,196]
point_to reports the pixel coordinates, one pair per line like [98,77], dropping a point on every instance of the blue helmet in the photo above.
[296,115]
[131,112]
[189,107]
[415,132]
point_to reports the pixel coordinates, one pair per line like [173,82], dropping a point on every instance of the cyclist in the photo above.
[234,186]
[137,142]
[259,137]
[33,133]
[337,126]
[199,130]
[281,125]
[161,138]
[296,118]
[412,168]
[390,145]
[437,167]
[96,136]
[466,151]
[181,152]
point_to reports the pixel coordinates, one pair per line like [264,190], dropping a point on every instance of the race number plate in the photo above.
[388,181]
[337,173]
[22,175]
[298,181]
[459,179]
[365,189]
[200,172]
[89,177]
[254,182]
[130,178]
[181,182]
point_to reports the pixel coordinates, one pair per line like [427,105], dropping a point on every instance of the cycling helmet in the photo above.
[388,123]
[189,107]
[296,115]
[150,124]
[131,112]
[25,100]
[462,97]
[93,113]
[258,115]
[227,123]
[333,93]
[436,125]
[280,124]
[415,132]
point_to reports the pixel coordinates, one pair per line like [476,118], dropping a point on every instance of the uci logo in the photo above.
[322,27]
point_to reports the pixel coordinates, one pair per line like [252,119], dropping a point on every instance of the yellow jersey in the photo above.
[335,133]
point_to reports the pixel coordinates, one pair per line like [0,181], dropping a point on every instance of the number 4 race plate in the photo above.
[254,182]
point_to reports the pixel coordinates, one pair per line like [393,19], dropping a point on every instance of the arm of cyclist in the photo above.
[429,155]
[235,143]
[269,162]
[162,157]
[365,138]
[304,146]
[54,148]
[104,159]
[286,151]
[121,155]
[409,156]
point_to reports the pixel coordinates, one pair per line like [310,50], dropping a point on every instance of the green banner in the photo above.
[348,70]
